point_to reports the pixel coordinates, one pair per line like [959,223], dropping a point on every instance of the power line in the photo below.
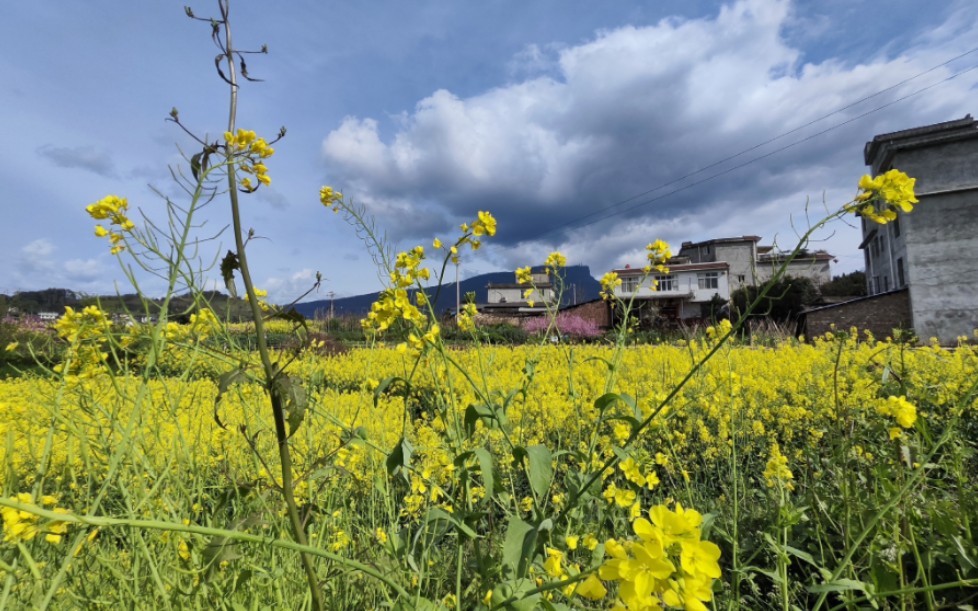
[609,210]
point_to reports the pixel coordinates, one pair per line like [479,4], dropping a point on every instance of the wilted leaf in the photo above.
[228,265]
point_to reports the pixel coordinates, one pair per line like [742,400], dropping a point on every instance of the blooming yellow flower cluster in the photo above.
[658,253]
[884,195]
[776,471]
[87,334]
[609,282]
[668,564]
[260,294]
[202,325]
[901,410]
[331,198]
[19,525]
[555,261]
[112,208]
[395,303]
[466,318]
[251,150]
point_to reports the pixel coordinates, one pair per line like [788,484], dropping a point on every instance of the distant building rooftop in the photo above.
[878,150]
[744,238]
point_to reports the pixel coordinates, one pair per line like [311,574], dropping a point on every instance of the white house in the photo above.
[686,292]
[541,291]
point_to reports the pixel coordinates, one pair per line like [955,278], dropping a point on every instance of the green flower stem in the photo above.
[278,411]
[912,481]
[207,531]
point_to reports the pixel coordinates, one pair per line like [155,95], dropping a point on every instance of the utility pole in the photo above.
[329,320]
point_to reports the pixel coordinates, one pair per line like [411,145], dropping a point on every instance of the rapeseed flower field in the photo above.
[784,453]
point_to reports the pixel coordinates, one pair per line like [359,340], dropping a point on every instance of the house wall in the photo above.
[741,257]
[938,241]
[942,265]
[515,295]
[597,312]
[885,253]
[879,314]
[819,272]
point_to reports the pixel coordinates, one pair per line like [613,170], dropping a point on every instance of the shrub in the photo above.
[565,324]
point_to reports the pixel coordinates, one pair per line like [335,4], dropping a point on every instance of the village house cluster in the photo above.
[920,269]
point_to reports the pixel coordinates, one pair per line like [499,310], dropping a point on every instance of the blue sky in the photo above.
[547,113]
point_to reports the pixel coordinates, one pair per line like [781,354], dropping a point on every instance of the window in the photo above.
[901,279]
[741,278]
[886,283]
[629,284]
[708,280]
[896,227]
[666,283]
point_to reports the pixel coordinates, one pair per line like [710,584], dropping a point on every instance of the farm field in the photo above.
[832,474]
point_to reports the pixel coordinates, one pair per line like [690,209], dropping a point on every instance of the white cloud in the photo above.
[83,270]
[38,249]
[285,289]
[628,111]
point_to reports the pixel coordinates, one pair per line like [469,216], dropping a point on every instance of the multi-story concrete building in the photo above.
[932,251]
[687,291]
[514,298]
[751,264]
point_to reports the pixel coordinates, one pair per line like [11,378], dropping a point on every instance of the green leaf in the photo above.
[224,382]
[518,546]
[417,604]
[221,549]
[228,265]
[486,469]
[436,514]
[399,458]
[608,399]
[959,544]
[293,400]
[474,413]
[841,585]
[388,383]
[540,470]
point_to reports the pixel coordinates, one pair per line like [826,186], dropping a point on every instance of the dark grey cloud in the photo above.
[639,127]
[86,158]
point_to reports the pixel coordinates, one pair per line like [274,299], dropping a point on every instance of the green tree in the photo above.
[852,284]
[784,302]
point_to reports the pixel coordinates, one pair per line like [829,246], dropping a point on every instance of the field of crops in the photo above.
[807,475]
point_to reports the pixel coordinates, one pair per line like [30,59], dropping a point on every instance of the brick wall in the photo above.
[879,314]
[596,311]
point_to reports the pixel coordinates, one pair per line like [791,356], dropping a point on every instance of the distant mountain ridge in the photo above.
[579,286]
[578,283]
